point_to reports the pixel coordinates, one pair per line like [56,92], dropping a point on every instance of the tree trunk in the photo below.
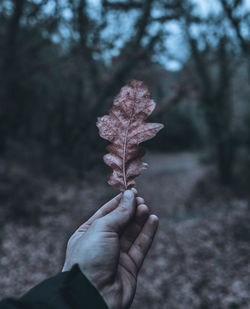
[7,79]
[225,159]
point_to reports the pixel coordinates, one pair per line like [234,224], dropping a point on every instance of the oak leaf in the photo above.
[125,128]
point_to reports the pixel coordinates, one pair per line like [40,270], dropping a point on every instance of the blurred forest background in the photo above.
[61,64]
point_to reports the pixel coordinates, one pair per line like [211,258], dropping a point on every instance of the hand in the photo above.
[110,247]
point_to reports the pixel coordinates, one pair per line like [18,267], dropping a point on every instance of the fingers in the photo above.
[105,209]
[133,229]
[117,219]
[140,200]
[108,207]
[143,242]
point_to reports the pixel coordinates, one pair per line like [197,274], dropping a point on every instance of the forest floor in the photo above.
[199,259]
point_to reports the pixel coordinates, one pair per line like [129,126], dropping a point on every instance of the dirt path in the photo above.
[195,262]
[37,250]
[197,259]
[169,181]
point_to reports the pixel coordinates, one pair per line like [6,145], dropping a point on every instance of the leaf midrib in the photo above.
[125,146]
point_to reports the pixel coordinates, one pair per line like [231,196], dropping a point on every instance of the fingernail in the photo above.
[140,200]
[154,219]
[134,190]
[128,195]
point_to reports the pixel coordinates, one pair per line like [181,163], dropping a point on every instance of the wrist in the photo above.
[110,291]
[112,296]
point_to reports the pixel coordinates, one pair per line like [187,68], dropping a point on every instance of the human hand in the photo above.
[110,247]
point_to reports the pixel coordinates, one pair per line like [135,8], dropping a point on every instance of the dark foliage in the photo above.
[57,74]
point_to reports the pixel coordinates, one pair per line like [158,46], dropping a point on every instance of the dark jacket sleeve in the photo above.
[67,290]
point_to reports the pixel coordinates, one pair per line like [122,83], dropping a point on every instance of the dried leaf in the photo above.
[125,128]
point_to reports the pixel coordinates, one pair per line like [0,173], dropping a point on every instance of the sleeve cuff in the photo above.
[79,292]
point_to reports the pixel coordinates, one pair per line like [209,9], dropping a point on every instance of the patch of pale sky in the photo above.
[207,7]
[49,7]
[119,28]
[177,51]
[67,13]
[123,28]
[95,2]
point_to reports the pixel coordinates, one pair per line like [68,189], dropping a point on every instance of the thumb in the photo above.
[121,215]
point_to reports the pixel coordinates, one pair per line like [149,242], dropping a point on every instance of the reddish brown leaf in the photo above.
[125,128]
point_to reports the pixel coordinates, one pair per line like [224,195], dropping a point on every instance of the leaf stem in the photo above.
[124,157]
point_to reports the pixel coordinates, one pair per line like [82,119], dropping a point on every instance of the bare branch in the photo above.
[229,10]
[122,6]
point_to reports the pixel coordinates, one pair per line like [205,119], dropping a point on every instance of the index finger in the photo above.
[103,211]
[107,208]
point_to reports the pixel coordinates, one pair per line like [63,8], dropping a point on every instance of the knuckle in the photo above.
[96,223]
[117,288]
[139,247]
